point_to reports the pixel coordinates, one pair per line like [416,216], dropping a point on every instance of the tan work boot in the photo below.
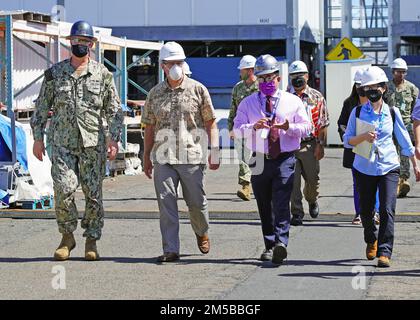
[91,251]
[371,250]
[67,244]
[245,192]
[404,188]
[384,262]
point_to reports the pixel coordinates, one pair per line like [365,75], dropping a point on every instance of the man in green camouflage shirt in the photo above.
[80,93]
[247,86]
[403,95]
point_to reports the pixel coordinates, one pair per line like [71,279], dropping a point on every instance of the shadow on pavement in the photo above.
[337,275]
[345,263]
[132,260]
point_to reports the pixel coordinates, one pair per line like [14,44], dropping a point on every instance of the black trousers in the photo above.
[272,189]
[367,187]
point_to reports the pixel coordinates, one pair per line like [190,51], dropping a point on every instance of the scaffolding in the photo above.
[369,23]
[39,37]
[28,28]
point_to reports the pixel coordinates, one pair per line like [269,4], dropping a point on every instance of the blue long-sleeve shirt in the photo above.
[385,159]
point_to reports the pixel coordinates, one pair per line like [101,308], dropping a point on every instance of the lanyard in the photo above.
[381,119]
[272,114]
[379,130]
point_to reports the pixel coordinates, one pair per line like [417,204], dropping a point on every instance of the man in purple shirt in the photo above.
[273,122]
[416,118]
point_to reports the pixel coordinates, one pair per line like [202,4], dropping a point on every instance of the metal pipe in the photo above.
[296,28]
[322,46]
[124,87]
[346,19]
[390,32]
[9,84]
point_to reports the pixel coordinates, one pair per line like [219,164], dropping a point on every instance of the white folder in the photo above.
[364,149]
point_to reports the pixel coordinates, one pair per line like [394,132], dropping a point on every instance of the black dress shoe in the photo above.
[314,210]
[267,255]
[279,253]
[168,257]
[296,221]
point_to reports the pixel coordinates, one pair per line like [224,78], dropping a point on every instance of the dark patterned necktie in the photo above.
[274,139]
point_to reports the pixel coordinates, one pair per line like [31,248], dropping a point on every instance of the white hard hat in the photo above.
[247,62]
[358,76]
[171,51]
[399,64]
[373,75]
[187,69]
[298,67]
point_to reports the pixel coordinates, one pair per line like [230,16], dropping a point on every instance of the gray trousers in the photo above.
[167,178]
[307,167]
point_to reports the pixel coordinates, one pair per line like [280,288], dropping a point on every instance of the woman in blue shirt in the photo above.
[380,170]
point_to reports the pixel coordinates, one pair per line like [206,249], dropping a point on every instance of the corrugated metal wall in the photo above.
[27,67]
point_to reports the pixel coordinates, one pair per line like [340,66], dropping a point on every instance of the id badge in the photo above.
[265,133]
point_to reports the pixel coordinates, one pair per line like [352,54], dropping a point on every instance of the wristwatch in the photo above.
[321,142]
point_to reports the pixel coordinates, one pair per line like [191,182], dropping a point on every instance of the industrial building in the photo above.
[220,32]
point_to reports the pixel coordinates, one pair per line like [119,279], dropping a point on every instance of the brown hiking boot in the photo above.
[403,188]
[91,252]
[245,192]
[384,262]
[203,243]
[371,250]
[67,244]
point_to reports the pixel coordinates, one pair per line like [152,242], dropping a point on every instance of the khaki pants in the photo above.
[167,178]
[307,167]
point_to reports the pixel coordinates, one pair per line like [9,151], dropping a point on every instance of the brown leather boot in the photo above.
[203,243]
[384,262]
[371,250]
[91,252]
[245,192]
[67,244]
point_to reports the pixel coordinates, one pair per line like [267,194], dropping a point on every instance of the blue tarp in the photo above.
[6,133]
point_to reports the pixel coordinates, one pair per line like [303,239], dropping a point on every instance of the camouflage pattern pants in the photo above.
[70,168]
[405,161]
[244,155]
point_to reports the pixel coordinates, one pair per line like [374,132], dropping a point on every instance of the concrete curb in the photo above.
[214,215]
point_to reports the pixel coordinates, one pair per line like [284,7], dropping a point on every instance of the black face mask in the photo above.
[79,50]
[298,82]
[374,95]
[361,92]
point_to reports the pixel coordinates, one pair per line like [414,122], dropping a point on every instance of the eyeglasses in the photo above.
[267,78]
[170,64]
[403,72]
[83,42]
[296,75]
[371,88]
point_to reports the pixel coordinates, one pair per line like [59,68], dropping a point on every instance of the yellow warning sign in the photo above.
[345,50]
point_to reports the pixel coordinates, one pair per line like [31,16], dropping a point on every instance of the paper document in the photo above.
[363,149]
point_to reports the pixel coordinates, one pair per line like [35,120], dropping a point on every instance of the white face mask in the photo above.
[176,72]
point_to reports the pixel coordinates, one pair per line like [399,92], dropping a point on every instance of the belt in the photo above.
[268,157]
[308,139]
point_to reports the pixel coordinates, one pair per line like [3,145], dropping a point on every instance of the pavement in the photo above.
[326,256]
[134,196]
